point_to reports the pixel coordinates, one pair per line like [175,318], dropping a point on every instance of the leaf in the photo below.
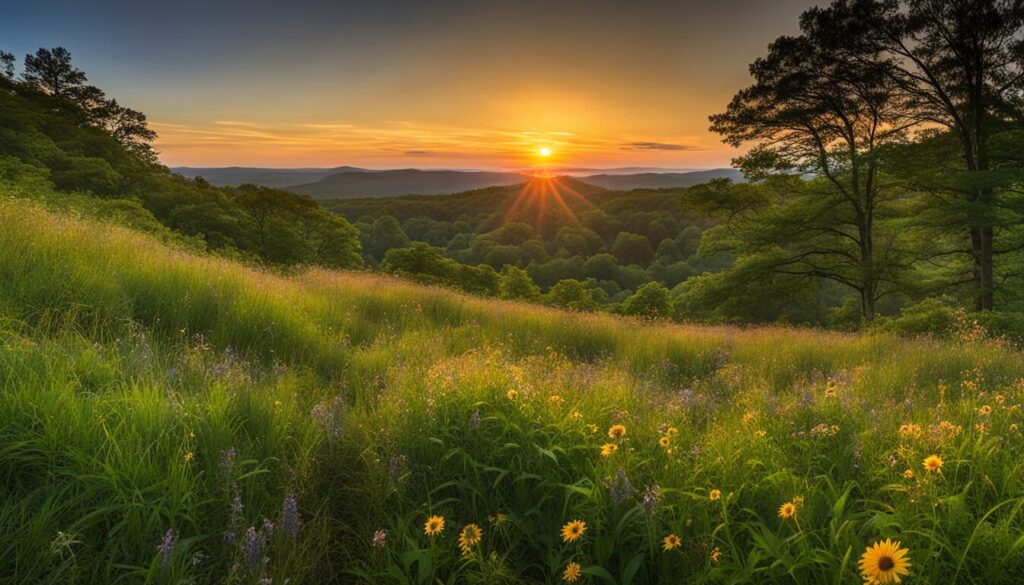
[600,573]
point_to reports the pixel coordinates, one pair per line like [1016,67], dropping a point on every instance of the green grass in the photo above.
[130,369]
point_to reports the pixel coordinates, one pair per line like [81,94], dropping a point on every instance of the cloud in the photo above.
[658,146]
[419,153]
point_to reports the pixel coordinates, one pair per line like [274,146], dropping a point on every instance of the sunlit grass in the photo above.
[144,389]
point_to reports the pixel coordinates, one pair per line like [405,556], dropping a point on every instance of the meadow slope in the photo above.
[168,417]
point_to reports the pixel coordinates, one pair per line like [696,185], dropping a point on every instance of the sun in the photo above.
[544,152]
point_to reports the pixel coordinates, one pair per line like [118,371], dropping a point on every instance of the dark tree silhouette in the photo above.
[7,64]
[813,112]
[50,70]
[959,65]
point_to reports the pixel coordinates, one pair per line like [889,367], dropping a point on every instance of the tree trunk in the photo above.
[986,269]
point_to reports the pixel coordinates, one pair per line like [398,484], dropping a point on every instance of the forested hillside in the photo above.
[64,140]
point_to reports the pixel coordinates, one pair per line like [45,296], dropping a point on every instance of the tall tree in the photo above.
[812,113]
[958,64]
[129,127]
[51,71]
[7,64]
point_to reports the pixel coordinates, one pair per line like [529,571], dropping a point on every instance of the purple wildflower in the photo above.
[253,547]
[166,547]
[290,516]
[619,488]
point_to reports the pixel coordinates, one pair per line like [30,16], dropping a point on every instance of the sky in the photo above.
[416,83]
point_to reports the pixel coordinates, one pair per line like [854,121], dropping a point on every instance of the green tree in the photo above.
[51,71]
[572,294]
[6,65]
[633,249]
[815,111]
[958,66]
[515,283]
[650,300]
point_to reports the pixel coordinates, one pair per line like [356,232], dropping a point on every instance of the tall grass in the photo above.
[158,409]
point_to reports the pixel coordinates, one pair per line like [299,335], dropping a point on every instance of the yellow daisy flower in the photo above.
[434,525]
[884,562]
[469,537]
[608,449]
[787,510]
[714,494]
[572,572]
[933,463]
[512,394]
[572,531]
[985,410]
[665,441]
[617,431]
[670,542]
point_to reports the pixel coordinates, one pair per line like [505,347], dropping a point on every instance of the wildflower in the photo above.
[716,554]
[650,501]
[572,572]
[664,442]
[672,431]
[1014,427]
[670,542]
[714,494]
[512,394]
[787,510]
[748,416]
[498,519]
[396,466]
[985,410]
[830,390]
[380,538]
[619,489]
[434,525]
[189,456]
[884,562]
[592,428]
[277,404]
[617,431]
[166,548]
[1000,398]
[572,531]
[469,537]
[608,449]
[290,516]
[933,463]
[575,415]
[253,546]
[908,474]
[760,433]
[227,463]
[474,420]
[556,400]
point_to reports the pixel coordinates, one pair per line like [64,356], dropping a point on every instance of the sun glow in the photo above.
[544,152]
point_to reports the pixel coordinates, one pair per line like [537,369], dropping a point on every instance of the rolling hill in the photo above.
[403,182]
[352,182]
[276,178]
[171,417]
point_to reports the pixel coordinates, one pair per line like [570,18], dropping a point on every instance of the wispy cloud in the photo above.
[658,146]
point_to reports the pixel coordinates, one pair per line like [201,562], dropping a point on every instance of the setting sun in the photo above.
[544,152]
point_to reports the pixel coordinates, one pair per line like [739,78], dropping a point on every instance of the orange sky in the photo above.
[414,83]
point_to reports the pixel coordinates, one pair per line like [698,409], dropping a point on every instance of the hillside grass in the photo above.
[150,395]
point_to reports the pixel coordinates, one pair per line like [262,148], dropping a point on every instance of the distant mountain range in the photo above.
[353,182]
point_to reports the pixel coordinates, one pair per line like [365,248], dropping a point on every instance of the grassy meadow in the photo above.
[167,417]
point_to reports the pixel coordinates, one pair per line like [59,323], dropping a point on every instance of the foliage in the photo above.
[171,417]
[58,135]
